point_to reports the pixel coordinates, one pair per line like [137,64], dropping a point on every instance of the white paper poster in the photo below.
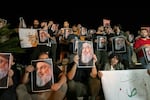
[126,84]
[28,37]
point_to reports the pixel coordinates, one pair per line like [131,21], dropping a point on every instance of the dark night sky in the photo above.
[129,18]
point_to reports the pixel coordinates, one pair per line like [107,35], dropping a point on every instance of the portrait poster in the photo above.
[84,31]
[85,53]
[67,31]
[5,65]
[28,37]
[43,37]
[42,77]
[126,84]
[101,43]
[118,44]
[146,51]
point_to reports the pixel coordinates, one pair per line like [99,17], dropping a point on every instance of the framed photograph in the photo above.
[5,65]
[118,44]
[42,77]
[101,43]
[84,31]
[67,31]
[43,37]
[85,53]
[146,52]
[28,37]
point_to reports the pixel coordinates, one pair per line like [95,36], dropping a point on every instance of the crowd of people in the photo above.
[51,77]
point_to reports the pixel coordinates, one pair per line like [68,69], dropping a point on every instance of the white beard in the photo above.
[101,45]
[3,73]
[118,47]
[43,39]
[86,58]
[42,81]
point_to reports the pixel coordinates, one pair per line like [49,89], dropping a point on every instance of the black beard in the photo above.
[143,36]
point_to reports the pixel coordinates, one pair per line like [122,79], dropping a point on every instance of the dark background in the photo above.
[130,18]
[88,14]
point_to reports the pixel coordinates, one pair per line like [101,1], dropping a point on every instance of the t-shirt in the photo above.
[82,74]
[138,43]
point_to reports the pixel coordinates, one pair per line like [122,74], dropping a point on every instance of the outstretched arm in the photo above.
[72,72]
[28,69]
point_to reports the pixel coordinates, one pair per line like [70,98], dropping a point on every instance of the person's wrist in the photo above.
[75,64]
[94,65]
[26,71]
[10,76]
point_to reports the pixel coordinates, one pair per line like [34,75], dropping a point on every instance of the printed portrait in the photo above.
[4,68]
[84,31]
[85,52]
[119,45]
[43,37]
[42,77]
[102,43]
[146,51]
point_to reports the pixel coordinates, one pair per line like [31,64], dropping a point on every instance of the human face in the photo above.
[43,68]
[100,29]
[144,33]
[87,52]
[36,23]
[50,23]
[119,43]
[44,73]
[43,36]
[114,61]
[83,31]
[66,24]
[54,27]
[74,28]
[3,62]
[102,42]
[4,65]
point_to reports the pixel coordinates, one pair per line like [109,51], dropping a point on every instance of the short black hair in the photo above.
[112,55]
